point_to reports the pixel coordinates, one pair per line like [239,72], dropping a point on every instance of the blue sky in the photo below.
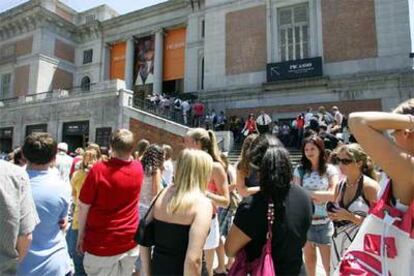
[121,6]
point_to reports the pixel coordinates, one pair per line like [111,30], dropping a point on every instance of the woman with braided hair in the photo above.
[153,163]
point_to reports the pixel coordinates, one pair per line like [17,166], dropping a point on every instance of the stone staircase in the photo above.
[295,155]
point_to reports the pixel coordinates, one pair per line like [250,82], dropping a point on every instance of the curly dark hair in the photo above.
[269,155]
[306,163]
[153,159]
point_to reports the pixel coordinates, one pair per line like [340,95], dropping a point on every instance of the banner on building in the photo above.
[144,60]
[118,61]
[174,54]
[294,69]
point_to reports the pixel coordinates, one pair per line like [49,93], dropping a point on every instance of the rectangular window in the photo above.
[87,56]
[203,27]
[7,51]
[5,86]
[293,26]
[90,18]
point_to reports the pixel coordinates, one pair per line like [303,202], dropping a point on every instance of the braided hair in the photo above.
[153,159]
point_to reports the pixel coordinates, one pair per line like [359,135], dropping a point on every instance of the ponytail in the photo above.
[212,148]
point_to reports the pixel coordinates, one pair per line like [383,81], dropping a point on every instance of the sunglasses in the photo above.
[344,161]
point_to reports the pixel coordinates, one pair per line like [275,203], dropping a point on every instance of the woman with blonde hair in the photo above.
[182,217]
[355,194]
[89,157]
[217,189]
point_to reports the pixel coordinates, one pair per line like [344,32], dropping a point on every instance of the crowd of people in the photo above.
[131,211]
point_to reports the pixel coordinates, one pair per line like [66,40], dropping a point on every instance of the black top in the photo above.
[252,180]
[171,242]
[291,224]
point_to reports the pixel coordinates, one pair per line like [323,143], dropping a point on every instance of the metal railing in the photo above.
[42,96]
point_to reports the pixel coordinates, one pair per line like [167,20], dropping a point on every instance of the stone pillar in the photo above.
[129,64]
[106,61]
[158,61]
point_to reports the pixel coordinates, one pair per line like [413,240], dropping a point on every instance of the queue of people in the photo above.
[133,211]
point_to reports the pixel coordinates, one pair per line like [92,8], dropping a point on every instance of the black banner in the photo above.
[76,128]
[295,69]
[6,133]
[103,134]
[36,128]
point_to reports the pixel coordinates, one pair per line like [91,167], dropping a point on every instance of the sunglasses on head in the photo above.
[344,161]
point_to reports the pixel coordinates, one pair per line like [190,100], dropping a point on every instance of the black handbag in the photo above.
[145,232]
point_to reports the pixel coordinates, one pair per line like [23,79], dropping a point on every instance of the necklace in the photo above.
[353,184]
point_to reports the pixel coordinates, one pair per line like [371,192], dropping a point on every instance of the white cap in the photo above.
[63,147]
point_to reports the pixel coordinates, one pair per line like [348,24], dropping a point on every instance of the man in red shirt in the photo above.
[198,111]
[108,214]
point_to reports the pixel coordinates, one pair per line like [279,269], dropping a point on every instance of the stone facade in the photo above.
[364,47]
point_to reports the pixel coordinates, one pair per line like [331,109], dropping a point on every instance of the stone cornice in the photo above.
[31,17]
[151,11]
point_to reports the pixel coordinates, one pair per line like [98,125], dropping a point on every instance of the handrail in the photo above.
[47,94]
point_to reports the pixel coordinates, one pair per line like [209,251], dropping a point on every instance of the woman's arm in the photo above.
[146,259]
[82,216]
[156,182]
[367,128]
[328,195]
[219,177]
[197,237]
[243,190]
[235,241]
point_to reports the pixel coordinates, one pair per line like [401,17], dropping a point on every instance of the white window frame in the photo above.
[288,50]
[315,27]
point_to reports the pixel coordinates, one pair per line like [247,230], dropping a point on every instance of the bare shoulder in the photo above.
[217,166]
[370,185]
[201,201]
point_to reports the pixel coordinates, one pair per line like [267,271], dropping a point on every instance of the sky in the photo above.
[121,6]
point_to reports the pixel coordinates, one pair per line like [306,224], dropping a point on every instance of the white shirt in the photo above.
[308,116]
[185,106]
[338,117]
[63,164]
[168,172]
[263,120]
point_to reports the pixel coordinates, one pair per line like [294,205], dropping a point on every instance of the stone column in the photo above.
[106,61]
[129,63]
[158,61]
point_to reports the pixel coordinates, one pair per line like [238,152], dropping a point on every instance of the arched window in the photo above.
[86,84]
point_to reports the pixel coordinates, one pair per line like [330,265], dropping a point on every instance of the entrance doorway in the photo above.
[76,134]
[6,139]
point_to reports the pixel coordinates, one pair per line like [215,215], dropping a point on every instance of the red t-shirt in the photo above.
[300,123]
[198,109]
[112,189]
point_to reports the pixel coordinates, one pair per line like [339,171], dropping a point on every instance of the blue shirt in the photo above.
[48,254]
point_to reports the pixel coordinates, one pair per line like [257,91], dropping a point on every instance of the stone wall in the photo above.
[348,30]
[156,135]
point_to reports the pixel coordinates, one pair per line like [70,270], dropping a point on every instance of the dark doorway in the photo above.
[76,134]
[35,128]
[173,87]
[6,139]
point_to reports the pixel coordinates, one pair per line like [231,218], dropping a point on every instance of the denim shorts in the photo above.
[321,233]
